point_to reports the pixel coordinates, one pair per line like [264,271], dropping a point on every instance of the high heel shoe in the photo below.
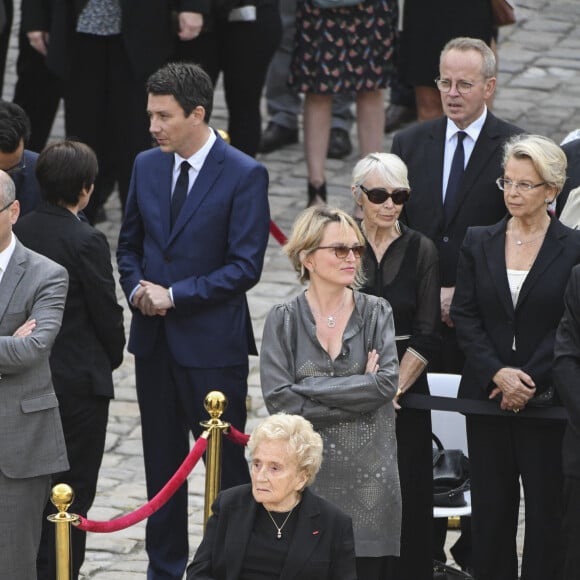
[316,195]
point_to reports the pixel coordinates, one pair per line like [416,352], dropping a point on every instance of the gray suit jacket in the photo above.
[31,438]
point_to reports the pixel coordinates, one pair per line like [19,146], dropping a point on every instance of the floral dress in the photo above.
[344,50]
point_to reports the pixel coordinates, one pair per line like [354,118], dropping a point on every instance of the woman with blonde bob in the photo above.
[330,356]
[276,527]
[508,302]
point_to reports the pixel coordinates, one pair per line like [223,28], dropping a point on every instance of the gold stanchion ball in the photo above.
[62,496]
[224,135]
[215,404]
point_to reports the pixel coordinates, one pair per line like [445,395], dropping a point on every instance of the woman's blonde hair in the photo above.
[307,234]
[303,442]
[547,158]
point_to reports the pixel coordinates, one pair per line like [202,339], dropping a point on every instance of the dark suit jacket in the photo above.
[27,189]
[210,258]
[322,547]
[572,151]
[567,373]
[480,202]
[485,318]
[147,28]
[91,340]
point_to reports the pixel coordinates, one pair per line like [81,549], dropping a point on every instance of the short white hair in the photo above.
[388,166]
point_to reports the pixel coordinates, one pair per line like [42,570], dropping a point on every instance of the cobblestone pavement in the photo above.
[538,88]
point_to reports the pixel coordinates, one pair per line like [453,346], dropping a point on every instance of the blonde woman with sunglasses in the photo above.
[330,356]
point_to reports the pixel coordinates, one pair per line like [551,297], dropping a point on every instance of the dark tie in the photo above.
[180,191]
[455,177]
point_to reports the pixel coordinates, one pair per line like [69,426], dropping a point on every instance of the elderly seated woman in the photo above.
[276,527]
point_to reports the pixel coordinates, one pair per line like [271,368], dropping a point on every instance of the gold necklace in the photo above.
[279,528]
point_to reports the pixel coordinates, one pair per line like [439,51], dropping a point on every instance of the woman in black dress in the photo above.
[401,265]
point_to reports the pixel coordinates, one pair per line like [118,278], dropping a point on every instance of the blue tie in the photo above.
[455,177]
[180,191]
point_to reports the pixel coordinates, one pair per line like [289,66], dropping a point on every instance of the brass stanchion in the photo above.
[62,496]
[215,404]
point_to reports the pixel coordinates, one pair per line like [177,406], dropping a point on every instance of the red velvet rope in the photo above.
[277,233]
[157,502]
[237,437]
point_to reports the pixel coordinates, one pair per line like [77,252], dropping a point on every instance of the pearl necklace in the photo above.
[279,528]
[519,242]
[523,243]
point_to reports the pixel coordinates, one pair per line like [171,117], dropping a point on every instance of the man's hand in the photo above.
[39,41]
[152,299]
[26,329]
[516,387]
[190,25]
[446,298]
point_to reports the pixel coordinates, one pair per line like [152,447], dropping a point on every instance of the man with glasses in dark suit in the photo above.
[15,159]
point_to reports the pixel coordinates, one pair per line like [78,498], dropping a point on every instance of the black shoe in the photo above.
[275,137]
[398,115]
[316,195]
[339,145]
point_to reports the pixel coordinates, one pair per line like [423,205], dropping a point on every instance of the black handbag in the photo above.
[450,476]
[443,572]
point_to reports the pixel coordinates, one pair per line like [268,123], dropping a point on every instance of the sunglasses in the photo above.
[380,195]
[341,252]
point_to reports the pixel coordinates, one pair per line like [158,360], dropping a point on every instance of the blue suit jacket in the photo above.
[27,189]
[210,258]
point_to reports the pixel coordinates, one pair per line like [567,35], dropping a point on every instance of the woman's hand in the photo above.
[26,329]
[372,362]
[516,387]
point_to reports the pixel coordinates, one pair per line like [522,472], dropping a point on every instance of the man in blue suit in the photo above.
[192,243]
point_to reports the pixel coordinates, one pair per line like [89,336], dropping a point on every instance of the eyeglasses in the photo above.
[380,195]
[463,87]
[520,186]
[342,252]
[6,206]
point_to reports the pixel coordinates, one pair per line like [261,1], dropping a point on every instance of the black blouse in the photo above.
[266,554]
[408,277]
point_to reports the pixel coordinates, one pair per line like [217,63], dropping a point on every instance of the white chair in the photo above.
[450,428]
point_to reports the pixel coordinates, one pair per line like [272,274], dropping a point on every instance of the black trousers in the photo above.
[571,528]
[242,52]
[501,451]
[84,423]
[5,39]
[106,108]
[38,91]
[415,461]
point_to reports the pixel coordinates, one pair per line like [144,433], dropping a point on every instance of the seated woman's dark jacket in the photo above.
[322,547]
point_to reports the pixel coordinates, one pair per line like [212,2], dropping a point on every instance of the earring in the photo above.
[547,201]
